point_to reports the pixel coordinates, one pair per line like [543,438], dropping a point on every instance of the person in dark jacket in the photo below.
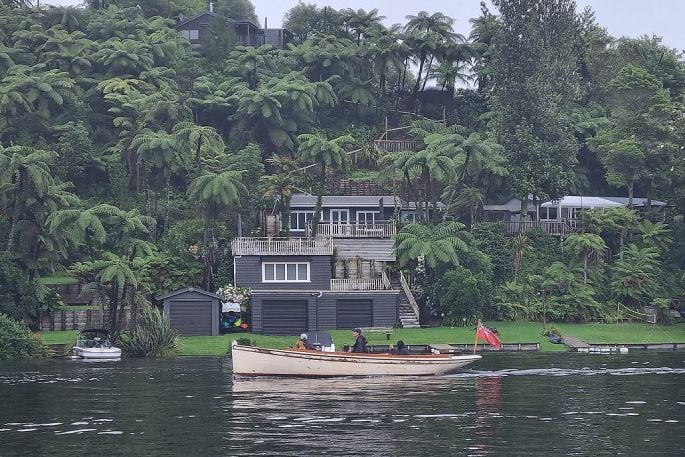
[399,349]
[359,341]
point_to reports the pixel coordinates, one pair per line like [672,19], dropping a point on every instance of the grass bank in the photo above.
[510,332]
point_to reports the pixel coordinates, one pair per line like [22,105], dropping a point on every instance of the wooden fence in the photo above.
[75,320]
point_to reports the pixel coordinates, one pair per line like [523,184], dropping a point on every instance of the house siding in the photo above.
[321,310]
[248,273]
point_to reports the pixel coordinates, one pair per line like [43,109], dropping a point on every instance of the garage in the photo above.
[192,312]
[354,313]
[284,317]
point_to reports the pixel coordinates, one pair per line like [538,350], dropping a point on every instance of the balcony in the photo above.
[282,246]
[381,283]
[378,229]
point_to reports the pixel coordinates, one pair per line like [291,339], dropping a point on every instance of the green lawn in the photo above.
[510,332]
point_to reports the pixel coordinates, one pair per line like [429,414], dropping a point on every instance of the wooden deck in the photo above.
[575,343]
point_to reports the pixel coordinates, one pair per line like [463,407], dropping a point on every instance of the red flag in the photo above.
[488,335]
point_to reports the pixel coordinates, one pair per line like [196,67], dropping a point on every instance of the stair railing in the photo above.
[410,296]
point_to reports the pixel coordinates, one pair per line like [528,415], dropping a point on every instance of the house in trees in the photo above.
[556,217]
[337,279]
[246,33]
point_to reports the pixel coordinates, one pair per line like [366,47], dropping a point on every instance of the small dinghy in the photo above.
[95,344]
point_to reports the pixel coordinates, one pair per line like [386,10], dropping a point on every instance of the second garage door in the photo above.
[284,317]
[354,313]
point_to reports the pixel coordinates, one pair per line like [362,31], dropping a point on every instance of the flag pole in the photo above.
[475,341]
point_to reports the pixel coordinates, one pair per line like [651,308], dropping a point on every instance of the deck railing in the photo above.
[358,284]
[398,145]
[557,228]
[379,229]
[282,246]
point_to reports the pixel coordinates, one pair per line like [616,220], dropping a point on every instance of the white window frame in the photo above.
[366,217]
[294,217]
[340,212]
[272,265]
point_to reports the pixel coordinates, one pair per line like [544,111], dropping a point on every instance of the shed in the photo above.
[192,311]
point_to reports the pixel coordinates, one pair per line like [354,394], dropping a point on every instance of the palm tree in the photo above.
[636,274]
[655,235]
[520,247]
[387,51]
[585,245]
[434,167]
[215,192]
[360,21]
[327,154]
[427,33]
[25,172]
[118,278]
[437,245]
[467,197]
[196,139]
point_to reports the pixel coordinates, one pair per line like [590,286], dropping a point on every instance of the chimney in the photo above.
[211,7]
[265,26]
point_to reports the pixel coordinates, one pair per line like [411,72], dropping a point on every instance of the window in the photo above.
[299,220]
[367,217]
[285,272]
[409,216]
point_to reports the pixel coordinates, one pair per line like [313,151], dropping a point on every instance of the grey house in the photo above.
[192,311]
[247,33]
[556,217]
[322,283]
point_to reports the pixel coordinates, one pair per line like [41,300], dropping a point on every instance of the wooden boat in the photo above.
[256,361]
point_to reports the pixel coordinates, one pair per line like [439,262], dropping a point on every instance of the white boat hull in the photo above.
[254,361]
[97,353]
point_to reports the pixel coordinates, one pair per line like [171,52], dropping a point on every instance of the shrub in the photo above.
[464,294]
[17,342]
[152,336]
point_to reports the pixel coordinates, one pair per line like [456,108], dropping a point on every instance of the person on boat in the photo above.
[399,349]
[359,341]
[303,343]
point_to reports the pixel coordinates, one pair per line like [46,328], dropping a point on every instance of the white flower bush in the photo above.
[231,293]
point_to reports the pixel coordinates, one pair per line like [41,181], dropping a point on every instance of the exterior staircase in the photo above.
[408,316]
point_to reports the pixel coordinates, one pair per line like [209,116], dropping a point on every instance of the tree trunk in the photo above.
[631,186]
[286,214]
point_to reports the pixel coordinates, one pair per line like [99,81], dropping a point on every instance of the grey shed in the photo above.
[192,311]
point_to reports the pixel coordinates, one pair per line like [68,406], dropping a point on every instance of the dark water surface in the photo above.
[506,404]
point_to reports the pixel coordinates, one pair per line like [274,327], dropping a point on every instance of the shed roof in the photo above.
[189,289]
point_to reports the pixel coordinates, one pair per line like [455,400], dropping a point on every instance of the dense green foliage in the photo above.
[17,342]
[130,159]
[150,336]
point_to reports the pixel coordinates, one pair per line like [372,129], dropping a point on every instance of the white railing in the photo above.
[380,229]
[398,145]
[282,246]
[357,284]
[410,296]
[558,228]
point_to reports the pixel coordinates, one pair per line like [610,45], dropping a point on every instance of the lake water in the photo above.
[505,405]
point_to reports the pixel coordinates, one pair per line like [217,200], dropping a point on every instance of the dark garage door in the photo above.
[284,317]
[354,313]
[191,317]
